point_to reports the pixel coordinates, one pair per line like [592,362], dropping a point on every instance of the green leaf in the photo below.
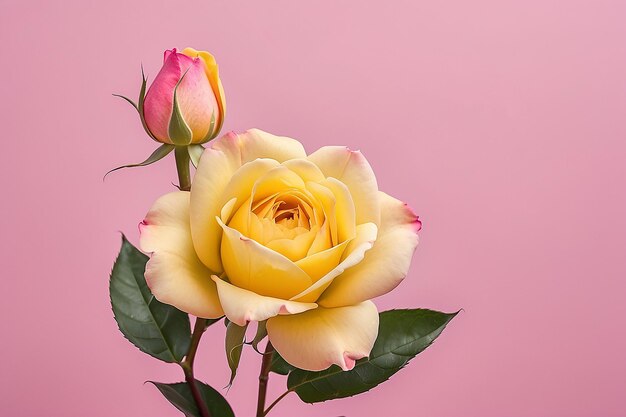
[279,365]
[211,322]
[179,394]
[235,339]
[179,131]
[157,329]
[158,154]
[195,152]
[402,334]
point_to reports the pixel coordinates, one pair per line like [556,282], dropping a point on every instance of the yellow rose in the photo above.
[269,233]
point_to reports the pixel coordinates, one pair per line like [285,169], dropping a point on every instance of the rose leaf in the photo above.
[157,329]
[402,334]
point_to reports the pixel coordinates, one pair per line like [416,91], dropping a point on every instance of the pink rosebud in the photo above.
[185,103]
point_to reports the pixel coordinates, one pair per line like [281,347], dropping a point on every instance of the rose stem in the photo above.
[187,366]
[283,395]
[266,363]
[182,166]
[184,179]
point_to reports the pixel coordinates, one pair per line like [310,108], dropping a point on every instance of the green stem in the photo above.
[184,178]
[187,365]
[266,363]
[283,395]
[182,166]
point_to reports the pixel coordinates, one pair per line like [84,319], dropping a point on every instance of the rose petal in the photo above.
[217,166]
[385,265]
[157,105]
[257,268]
[212,72]
[196,100]
[352,169]
[174,273]
[354,253]
[242,306]
[317,339]
[345,213]
[306,169]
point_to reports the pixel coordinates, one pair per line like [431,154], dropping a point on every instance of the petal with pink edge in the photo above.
[174,273]
[385,265]
[317,339]
[351,168]
[242,306]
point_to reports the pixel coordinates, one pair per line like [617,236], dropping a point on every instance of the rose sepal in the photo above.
[142,97]
[234,341]
[158,154]
[139,105]
[179,132]
[195,152]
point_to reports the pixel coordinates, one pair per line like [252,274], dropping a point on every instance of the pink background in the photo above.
[502,124]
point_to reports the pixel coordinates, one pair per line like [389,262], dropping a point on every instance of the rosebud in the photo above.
[185,103]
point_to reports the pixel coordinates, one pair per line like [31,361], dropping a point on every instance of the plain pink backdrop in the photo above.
[502,123]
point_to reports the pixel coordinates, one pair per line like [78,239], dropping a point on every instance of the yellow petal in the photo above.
[276,180]
[257,268]
[174,273]
[345,215]
[352,169]
[296,248]
[306,169]
[385,265]
[217,166]
[242,306]
[212,72]
[317,339]
[321,263]
[354,253]
[326,198]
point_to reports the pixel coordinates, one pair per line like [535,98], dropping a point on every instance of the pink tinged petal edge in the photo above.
[242,306]
[385,265]
[317,339]
[351,168]
[174,273]
[158,103]
[196,99]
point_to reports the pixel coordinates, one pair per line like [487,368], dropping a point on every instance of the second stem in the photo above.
[266,364]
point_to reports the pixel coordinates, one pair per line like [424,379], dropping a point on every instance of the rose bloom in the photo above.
[269,233]
[200,99]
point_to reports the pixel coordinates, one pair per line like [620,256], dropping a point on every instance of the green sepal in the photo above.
[178,131]
[211,133]
[195,152]
[158,154]
[157,329]
[261,332]
[235,339]
[142,97]
[179,395]
[132,103]
[402,335]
